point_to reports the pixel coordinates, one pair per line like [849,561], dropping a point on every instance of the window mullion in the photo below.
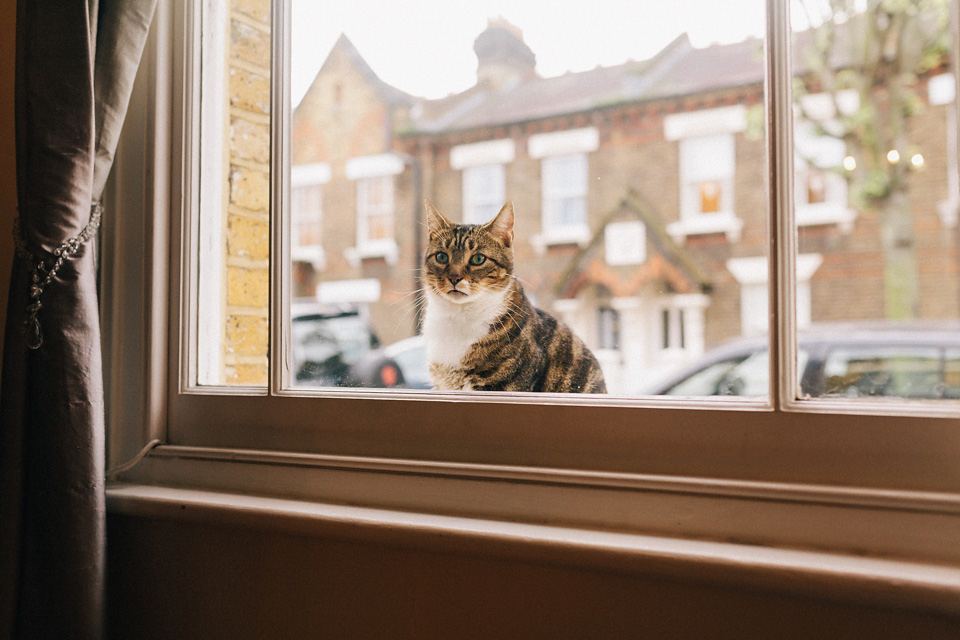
[782,237]
[280,163]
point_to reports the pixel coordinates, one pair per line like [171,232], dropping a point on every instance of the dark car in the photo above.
[902,360]
[336,347]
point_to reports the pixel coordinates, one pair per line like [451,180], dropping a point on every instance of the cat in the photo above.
[481,330]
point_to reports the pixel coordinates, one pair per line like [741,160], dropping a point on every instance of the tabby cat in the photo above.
[481,330]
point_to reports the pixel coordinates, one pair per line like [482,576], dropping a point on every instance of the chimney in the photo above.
[502,55]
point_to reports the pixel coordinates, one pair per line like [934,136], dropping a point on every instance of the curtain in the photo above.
[76,61]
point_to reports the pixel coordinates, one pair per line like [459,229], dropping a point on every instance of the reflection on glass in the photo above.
[621,134]
[877,194]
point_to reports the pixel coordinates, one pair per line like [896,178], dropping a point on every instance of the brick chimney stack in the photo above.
[502,55]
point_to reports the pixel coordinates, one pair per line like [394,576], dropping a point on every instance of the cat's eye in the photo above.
[477,259]
[441,257]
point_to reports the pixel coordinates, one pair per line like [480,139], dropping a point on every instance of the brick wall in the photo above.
[247,251]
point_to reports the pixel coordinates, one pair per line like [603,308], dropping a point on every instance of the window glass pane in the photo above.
[636,177]
[229,293]
[876,197]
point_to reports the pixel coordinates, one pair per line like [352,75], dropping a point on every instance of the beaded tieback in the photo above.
[42,275]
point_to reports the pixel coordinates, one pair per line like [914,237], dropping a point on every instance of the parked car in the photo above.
[411,355]
[336,347]
[903,360]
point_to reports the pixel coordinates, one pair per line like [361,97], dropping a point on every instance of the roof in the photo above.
[678,69]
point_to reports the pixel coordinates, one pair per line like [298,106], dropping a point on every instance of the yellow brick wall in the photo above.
[247,250]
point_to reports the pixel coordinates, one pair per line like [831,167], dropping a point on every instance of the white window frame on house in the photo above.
[308,178]
[847,500]
[484,177]
[375,171]
[942,90]
[563,151]
[484,192]
[707,153]
[823,155]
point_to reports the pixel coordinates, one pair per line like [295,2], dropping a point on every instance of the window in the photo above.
[484,177]
[306,213]
[374,210]
[707,166]
[374,177]
[620,463]
[483,193]
[564,170]
[822,162]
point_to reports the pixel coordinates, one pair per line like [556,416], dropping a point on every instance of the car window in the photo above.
[951,374]
[706,381]
[878,370]
[744,375]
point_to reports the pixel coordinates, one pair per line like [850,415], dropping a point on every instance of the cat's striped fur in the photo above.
[481,330]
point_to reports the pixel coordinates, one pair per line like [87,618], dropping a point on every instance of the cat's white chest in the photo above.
[450,329]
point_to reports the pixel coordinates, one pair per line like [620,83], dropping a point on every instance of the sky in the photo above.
[425,47]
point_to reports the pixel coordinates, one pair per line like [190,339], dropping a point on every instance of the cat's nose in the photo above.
[454,278]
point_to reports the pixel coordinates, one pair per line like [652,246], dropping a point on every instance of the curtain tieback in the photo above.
[42,275]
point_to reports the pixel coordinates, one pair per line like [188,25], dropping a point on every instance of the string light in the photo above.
[849,163]
[893,156]
[917,160]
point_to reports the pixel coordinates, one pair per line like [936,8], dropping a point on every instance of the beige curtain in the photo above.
[76,61]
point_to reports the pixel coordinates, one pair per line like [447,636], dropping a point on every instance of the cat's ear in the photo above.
[435,220]
[502,225]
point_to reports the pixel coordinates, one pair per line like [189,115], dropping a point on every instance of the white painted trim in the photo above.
[567,305]
[312,253]
[481,153]
[942,89]
[348,291]
[707,122]
[556,143]
[703,224]
[383,164]
[386,248]
[210,215]
[578,235]
[826,213]
[821,106]
[302,175]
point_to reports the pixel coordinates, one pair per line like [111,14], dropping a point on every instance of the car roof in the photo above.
[941,332]
[945,333]
[308,308]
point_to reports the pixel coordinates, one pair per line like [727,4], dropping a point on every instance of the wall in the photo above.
[8,175]
[181,579]
[248,207]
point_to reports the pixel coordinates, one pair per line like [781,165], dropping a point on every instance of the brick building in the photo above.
[640,193]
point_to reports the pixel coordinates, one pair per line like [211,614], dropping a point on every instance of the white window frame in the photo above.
[364,170]
[480,205]
[827,155]
[692,130]
[479,162]
[833,499]
[942,90]
[553,150]
[309,176]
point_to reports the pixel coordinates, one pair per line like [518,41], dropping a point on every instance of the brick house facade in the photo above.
[640,194]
